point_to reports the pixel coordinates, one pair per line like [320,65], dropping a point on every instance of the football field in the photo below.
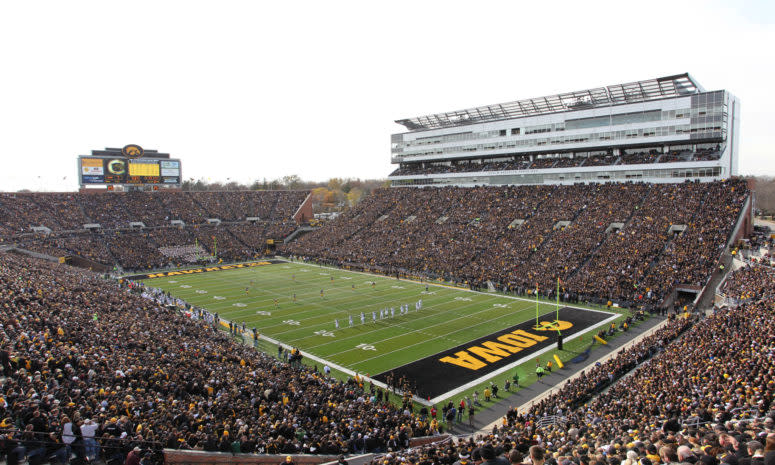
[449,341]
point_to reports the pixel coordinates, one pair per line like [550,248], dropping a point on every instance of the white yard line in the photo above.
[431,283]
[459,389]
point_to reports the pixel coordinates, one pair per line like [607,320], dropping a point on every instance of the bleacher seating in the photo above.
[560,161]
[637,264]
[79,350]
[698,390]
[116,244]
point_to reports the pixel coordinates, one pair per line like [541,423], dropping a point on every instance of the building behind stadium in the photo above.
[663,130]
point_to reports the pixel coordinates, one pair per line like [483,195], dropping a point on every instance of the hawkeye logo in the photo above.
[479,356]
[556,325]
[133,151]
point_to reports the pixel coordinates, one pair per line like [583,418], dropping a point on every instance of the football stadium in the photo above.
[565,278]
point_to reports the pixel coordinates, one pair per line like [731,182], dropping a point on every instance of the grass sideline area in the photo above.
[263,297]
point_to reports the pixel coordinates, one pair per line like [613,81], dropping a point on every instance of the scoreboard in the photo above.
[121,169]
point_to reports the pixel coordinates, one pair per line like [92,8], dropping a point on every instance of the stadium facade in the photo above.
[662,130]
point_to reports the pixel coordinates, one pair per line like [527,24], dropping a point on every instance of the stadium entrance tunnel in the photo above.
[475,361]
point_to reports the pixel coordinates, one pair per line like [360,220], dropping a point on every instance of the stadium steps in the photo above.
[708,296]
[366,226]
[199,204]
[592,254]
[236,238]
[83,211]
[548,237]
[274,207]
[54,219]
[658,257]
[114,259]
[38,255]
[297,232]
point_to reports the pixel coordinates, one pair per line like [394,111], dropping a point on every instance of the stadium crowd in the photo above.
[115,243]
[91,368]
[115,210]
[147,248]
[701,393]
[622,248]
[557,161]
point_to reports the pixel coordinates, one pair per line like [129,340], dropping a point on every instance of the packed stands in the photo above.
[69,212]
[116,243]
[521,236]
[83,357]
[700,392]
[632,157]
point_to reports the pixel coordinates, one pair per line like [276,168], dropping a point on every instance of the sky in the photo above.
[249,90]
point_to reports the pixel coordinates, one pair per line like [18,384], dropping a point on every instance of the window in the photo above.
[515,131]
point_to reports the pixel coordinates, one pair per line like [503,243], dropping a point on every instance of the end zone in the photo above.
[454,370]
[165,274]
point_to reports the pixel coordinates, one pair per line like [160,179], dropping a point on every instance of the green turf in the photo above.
[449,316]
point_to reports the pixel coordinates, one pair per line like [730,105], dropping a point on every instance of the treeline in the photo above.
[764,186]
[327,196]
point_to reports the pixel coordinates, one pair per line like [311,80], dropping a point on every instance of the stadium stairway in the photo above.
[39,255]
[592,253]
[297,232]
[708,295]
[484,420]
[83,211]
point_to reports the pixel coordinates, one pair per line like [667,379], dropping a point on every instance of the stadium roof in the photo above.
[668,86]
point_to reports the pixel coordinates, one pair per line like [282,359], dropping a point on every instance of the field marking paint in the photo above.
[431,283]
[487,296]
[325,324]
[425,315]
[338,367]
[435,337]
[512,365]
[456,390]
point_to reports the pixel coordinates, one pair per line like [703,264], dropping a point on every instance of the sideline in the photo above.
[419,400]
[458,389]
[549,391]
